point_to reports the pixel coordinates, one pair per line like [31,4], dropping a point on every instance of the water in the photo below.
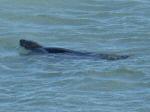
[43,83]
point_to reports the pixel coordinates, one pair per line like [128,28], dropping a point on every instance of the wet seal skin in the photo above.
[35,47]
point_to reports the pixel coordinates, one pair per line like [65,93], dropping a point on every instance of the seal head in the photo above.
[29,45]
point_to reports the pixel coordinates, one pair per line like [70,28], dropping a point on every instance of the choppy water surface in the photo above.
[44,83]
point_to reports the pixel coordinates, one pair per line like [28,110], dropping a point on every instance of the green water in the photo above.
[54,83]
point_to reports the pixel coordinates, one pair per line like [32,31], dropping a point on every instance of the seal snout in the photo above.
[22,42]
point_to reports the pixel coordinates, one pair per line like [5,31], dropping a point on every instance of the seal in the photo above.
[37,48]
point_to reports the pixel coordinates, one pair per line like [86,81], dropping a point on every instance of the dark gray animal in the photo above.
[35,47]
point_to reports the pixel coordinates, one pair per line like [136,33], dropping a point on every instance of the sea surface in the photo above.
[59,83]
